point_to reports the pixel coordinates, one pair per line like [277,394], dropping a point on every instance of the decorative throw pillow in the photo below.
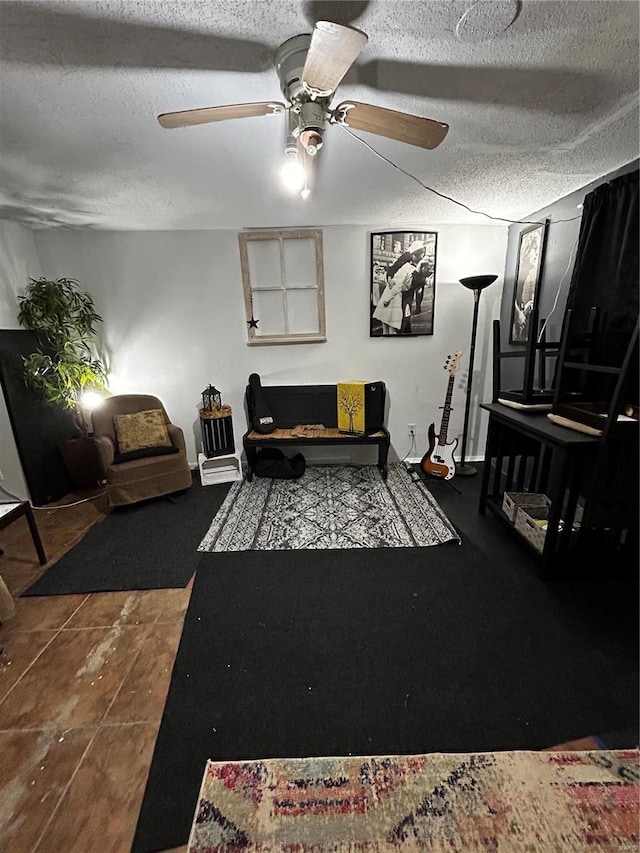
[141,430]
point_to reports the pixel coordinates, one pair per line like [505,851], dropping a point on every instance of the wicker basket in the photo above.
[511,501]
[531,522]
[222,412]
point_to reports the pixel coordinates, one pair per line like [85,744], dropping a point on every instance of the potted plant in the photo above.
[65,366]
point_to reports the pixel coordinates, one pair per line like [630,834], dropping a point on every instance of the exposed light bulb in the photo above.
[91,399]
[293,173]
[305,192]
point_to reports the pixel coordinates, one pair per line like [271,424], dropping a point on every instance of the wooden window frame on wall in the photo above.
[281,235]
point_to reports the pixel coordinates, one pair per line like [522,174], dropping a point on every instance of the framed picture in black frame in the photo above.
[403,283]
[527,282]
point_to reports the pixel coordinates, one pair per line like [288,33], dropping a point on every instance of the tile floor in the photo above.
[83,681]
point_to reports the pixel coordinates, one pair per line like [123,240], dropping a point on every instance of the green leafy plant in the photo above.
[65,366]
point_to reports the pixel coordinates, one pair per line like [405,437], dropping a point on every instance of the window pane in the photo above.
[264,263]
[299,263]
[302,311]
[269,311]
[282,279]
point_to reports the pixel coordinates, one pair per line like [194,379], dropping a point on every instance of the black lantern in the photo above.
[211,399]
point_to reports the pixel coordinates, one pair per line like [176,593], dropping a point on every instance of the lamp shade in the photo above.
[478,282]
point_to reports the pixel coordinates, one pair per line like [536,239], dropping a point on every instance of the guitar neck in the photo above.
[446,410]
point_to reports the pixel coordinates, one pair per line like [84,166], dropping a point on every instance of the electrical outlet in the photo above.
[412,429]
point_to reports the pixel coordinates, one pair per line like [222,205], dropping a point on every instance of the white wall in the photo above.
[18,263]
[174,321]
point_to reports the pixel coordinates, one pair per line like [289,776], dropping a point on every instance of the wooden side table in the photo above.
[10,511]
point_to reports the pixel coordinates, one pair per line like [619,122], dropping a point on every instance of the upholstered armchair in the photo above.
[142,453]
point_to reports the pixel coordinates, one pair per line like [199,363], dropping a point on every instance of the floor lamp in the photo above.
[477,283]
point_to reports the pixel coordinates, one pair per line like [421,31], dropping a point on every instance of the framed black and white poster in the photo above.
[403,283]
[528,270]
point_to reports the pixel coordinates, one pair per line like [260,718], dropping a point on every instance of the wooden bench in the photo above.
[307,415]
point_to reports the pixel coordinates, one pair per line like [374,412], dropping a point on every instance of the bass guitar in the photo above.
[438,460]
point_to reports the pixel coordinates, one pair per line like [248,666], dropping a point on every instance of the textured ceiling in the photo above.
[535,110]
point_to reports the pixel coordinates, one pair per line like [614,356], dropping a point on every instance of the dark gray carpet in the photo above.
[374,651]
[150,545]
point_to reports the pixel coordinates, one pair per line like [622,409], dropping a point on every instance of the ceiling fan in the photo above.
[310,68]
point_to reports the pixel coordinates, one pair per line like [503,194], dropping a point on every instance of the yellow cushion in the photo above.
[141,430]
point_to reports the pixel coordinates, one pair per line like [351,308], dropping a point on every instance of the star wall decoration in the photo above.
[253,323]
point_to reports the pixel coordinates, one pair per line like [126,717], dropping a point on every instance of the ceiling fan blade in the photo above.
[332,51]
[423,132]
[186,118]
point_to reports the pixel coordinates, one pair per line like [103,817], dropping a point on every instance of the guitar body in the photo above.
[438,460]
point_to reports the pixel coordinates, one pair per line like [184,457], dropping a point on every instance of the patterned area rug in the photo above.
[520,802]
[330,506]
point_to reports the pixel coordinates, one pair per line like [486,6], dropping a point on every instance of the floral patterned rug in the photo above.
[330,506]
[505,802]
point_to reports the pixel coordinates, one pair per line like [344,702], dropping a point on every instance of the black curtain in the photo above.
[606,272]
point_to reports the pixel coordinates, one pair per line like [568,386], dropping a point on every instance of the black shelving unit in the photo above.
[583,455]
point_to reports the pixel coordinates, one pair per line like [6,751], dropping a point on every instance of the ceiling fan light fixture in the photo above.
[291,133]
[291,146]
[312,142]
[311,124]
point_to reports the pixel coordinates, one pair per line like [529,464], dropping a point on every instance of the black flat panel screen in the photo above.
[37,426]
